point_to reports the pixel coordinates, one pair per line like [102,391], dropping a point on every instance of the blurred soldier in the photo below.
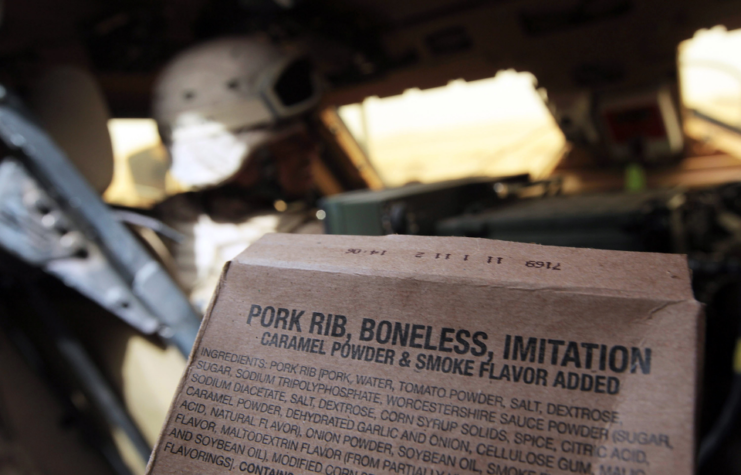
[231,112]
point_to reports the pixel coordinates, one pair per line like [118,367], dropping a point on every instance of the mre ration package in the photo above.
[402,355]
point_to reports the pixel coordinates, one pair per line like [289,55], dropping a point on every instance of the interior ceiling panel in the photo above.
[29,23]
[368,47]
[400,14]
[568,45]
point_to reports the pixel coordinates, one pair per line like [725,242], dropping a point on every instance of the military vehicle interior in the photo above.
[609,124]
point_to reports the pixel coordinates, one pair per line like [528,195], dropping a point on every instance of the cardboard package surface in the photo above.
[344,355]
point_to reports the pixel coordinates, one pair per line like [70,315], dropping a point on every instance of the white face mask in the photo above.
[208,161]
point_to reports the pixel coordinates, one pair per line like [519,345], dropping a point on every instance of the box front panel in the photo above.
[313,372]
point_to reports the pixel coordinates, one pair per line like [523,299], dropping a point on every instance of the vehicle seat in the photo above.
[70,105]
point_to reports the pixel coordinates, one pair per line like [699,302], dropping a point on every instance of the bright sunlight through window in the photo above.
[492,127]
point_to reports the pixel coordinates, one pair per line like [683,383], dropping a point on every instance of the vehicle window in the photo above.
[710,85]
[491,127]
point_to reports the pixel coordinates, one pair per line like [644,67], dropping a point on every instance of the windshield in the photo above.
[491,127]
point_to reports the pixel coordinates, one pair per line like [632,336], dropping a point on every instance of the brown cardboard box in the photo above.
[343,355]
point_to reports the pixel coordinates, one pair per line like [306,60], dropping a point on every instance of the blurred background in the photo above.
[610,124]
